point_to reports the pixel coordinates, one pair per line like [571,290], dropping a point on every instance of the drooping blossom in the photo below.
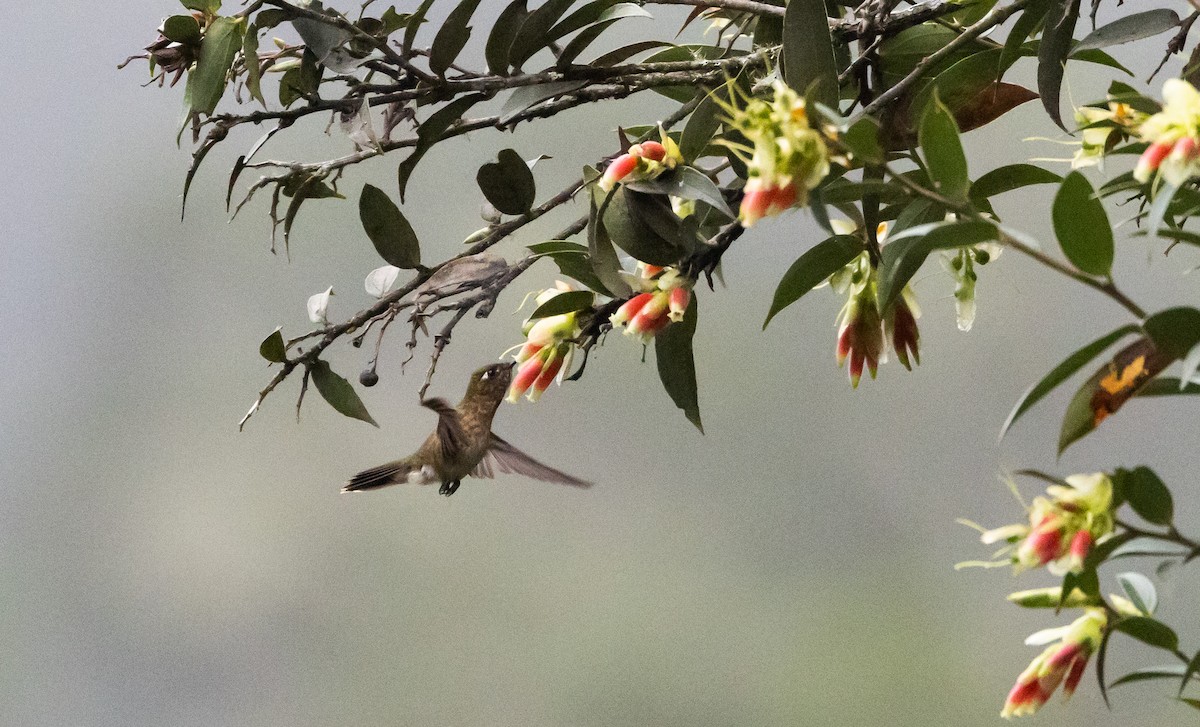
[1063,662]
[664,299]
[644,160]
[1173,135]
[547,351]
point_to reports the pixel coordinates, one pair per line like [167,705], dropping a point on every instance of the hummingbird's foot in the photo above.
[449,488]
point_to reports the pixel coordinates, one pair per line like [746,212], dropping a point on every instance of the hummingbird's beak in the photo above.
[511,364]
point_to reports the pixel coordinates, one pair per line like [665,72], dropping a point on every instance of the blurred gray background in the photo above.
[794,566]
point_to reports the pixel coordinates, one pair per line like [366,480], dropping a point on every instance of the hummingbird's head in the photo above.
[490,383]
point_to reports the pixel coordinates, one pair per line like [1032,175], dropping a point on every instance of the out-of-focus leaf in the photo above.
[943,151]
[318,307]
[1062,372]
[390,233]
[452,37]
[209,7]
[1146,493]
[1149,631]
[677,365]
[1010,177]
[339,393]
[508,183]
[1140,591]
[500,40]
[862,139]
[1129,28]
[1052,55]
[1109,388]
[320,38]
[1193,667]
[812,268]
[808,51]
[1167,671]
[1174,331]
[272,348]
[433,130]
[567,302]
[906,251]
[380,280]
[1081,226]
[206,81]
[182,29]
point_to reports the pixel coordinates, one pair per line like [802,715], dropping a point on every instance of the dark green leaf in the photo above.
[677,366]
[1174,233]
[1146,493]
[812,268]
[1010,177]
[555,247]
[205,6]
[905,252]
[433,130]
[943,152]
[862,139]
[1193,667]
[319,37]
[534,32]
[1149,631]
[1026,23]
[1052,54]
[1169,386]
[272,348]
[206,81]
[567,302]
[808,51]
[508,183]
[500,40]
[389,231]
[527,96]
[1129,28]
[580,268]
[1062,372]
[182,29]
[1174,331]
[452,37]
[637,235]
[1140,591]
[602,256]
[626,52]
[339,393]
[414,24]
[1169,671]
[700,128]
[687,183]
[1081,226]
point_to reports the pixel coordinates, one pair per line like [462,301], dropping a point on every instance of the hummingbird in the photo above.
[463,444]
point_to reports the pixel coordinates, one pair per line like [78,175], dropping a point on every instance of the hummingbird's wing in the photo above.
[503,457]
[450,434]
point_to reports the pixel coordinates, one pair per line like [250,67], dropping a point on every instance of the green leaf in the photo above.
[432,131]
[508,183]
[1026,23]
[272,348]
[677,366]
[1149,631]
[1146,493]
[1193,667]
[635,234]
[414,24]
[862,139]
[209,7]
[808,51]
[1169,386]
[700,128]
[626,52]
[533,34]
[1081,226]
[1174,331]
[556,247]
[389,231]
[525,97]
[1052,55]
[253,69]
[182,29]
[339,393]
[1168,671]
[206,81]
[501,38]
[602,256]
[1010,177]
[687,183]
[1158,208]
[906,251]
[1107,390]
[320,38]
[1130,28]
[1062,372]
[568,302]
[452,37]
[812,268]
[943,152]
[1140,591]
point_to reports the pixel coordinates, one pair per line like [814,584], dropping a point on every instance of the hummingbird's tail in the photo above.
[388,474]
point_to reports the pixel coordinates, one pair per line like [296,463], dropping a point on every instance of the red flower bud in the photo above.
[678,303]
[650,150]
[620,168]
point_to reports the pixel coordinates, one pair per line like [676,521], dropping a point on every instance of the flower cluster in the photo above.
[787,157]
[664,298]
[1173,135]
[1101,128]
[547,350]
[1063,526]
[645,160]
[864,332]
[1062,662]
